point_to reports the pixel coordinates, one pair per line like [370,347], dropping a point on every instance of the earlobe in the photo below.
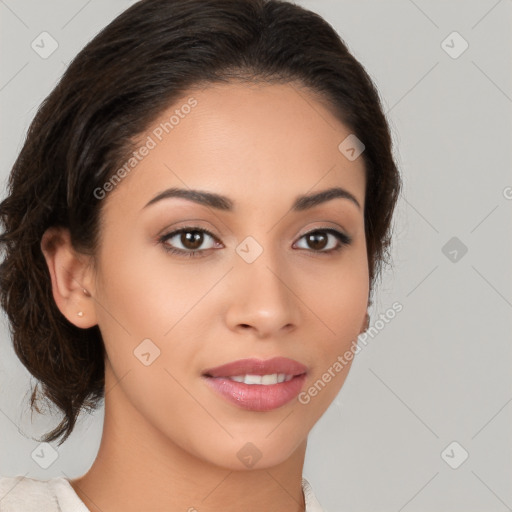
[70,277]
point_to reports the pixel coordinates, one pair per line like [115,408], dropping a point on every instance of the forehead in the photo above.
[243,141]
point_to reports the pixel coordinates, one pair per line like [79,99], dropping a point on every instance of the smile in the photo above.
[257,385]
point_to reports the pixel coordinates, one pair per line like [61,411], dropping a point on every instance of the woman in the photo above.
[193,230]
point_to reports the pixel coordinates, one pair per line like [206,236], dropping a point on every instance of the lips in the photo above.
[257,385]
[257,367]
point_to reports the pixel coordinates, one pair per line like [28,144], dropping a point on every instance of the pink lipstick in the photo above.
[256,384]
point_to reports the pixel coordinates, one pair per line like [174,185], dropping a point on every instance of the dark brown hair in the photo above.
[115,87]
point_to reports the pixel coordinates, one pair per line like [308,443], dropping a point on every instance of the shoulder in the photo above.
[32,495]
[312,504]
[27,494]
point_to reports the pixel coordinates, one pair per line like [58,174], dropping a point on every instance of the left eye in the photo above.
[319,240]
[192,238]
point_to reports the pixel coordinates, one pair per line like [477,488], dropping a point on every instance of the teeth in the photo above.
[274,378]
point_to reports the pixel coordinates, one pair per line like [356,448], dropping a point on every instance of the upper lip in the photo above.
[257,367]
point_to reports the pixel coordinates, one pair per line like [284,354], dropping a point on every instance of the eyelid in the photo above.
[188,224]
[325,227]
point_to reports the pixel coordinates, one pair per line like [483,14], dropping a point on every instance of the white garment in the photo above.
[23,494]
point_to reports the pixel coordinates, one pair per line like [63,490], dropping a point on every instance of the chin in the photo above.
[246,453]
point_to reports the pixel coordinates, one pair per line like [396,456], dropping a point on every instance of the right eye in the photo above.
[190,238]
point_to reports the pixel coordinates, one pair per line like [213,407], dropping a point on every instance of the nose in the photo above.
[262,299]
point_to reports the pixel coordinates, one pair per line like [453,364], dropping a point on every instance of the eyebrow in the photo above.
[221,202]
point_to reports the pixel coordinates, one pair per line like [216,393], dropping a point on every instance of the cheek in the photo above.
[340,302]
[339,297]
[142,293]
[149,312]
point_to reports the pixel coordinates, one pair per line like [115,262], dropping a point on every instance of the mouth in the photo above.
[257,385]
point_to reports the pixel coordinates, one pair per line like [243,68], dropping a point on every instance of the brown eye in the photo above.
[190,241]
[319,240]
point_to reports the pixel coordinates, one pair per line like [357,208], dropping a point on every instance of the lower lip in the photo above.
[257,397]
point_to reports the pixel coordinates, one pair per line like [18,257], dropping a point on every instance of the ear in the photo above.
[71,275]
[366,323]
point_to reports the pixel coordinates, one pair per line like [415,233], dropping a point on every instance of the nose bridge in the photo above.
[261,295]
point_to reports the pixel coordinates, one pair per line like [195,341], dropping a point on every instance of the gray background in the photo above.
[439,372]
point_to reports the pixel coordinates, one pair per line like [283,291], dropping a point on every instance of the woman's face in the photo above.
[259,286]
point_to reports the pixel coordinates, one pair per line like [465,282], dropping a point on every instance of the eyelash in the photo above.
[342,238]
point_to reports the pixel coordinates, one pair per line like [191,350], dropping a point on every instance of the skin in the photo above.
[169,442]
